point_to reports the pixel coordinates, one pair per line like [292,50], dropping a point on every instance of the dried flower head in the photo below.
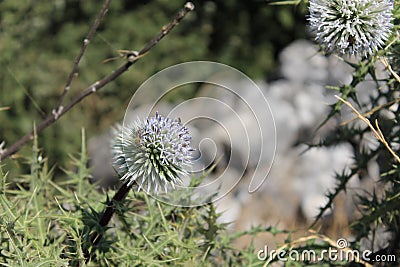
[152,153]
[356,27]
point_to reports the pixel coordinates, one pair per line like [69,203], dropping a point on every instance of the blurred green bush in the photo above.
[40,39]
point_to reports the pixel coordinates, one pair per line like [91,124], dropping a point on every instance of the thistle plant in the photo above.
[355,27]
[152,153]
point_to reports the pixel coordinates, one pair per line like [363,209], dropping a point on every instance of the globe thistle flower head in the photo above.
[355,27]
[152,153]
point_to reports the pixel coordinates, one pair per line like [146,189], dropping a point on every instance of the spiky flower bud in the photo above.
[355,27]
[152,153]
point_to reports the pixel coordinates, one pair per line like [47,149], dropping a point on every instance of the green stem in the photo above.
[95,237]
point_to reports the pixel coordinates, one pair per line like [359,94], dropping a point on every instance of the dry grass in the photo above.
[376,131]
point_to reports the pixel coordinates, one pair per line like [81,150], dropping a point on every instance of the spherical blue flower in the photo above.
[355,27]
[152,153]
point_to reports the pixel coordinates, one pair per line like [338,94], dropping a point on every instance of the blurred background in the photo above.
[39,41]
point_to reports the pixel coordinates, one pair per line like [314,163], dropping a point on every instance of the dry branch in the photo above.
[377,132]
[132,58]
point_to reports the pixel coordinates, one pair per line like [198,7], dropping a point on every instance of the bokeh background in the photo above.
[40,39]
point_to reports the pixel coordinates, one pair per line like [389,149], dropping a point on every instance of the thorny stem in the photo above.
[132,59]
[108,212]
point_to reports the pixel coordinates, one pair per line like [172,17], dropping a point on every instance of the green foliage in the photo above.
[380,208]
[25,222]
[45,221]
[47,216]
[381,102]
[40,40]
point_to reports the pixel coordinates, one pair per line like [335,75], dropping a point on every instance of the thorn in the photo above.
[2,145]
[54,114]
[93,88]
[189,6]
[57,113]
[134,53]
[133,56]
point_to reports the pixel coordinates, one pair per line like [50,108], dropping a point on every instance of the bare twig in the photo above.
[372,111]
[132,58]
[86,42]
[377,132]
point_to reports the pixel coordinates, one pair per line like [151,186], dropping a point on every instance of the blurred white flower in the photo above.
[152,153]
[356,27]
